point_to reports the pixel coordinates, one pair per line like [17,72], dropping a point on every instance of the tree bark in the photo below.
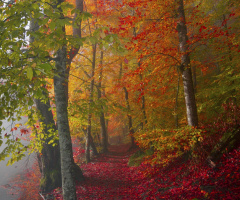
[102,117]
[130,127]
[92,144]
[61,97]
[89,127]
[185,68]
[68,183]
[50,158]
[144,122]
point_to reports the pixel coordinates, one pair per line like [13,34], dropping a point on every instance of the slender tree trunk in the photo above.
[185,68]
[92,144]
[102,117]
[68,183]
[144,122]
[89,107]
[130,127]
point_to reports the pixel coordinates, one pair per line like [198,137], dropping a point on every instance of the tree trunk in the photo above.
[130,127]
[102,117]
[92,144]
[50,158]
[144,122]
[49,161]
[229,141]
[185,68]
[89,127]
[68,183]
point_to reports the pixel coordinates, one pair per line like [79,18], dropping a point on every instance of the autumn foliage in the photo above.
[129,71]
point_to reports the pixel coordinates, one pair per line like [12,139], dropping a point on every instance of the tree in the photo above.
[61,98]
[89,126]
[37,61]
[185,67]
[49,157]
[102,117]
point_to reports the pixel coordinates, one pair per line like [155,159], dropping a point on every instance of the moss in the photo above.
[50,180]
[137,158]
[55,176]
[43,181]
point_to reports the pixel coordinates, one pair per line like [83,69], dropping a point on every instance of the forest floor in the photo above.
[109,177]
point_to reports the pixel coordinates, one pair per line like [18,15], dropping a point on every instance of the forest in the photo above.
[124,99]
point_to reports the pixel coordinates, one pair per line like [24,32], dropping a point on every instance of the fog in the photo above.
[9,172]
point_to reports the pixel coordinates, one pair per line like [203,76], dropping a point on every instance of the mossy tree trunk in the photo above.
[50,156]
[49,160]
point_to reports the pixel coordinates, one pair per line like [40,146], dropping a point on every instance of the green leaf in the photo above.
[93,40]
[35,6]
[38,93]
[46,66]
[29,73]
[52,25]
[111,39]
[86,15]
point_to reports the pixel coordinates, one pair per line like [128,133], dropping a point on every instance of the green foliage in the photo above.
[14,148]
[137,158]
[219,90]
[25,66]
[169,143]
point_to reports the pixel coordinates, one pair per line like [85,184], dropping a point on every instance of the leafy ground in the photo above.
[110,177]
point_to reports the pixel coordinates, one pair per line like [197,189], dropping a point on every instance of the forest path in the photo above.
[109,176]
